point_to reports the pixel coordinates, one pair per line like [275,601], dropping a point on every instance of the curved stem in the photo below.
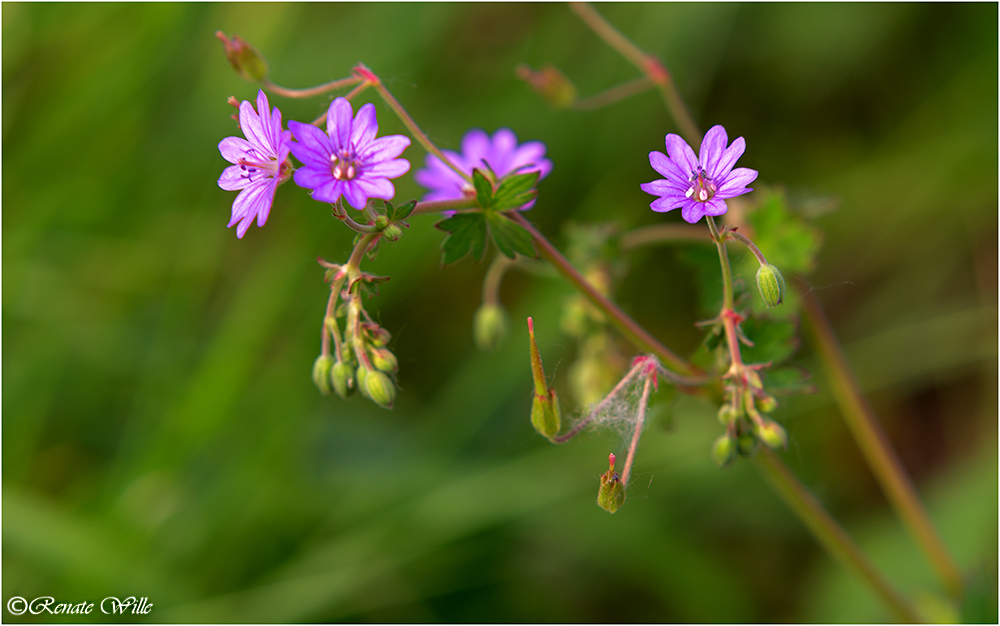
[830,535]
[882,459]
[404,117]
[614,94]
[635,333]
[580,425]
[749,244]
[309,92]
[437,206]
[355,226]
[354,263]
[647,64]
[727,272]
[640,419]
[491,282]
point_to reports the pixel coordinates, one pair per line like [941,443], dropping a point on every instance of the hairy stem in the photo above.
[640,420]
[830,535]
[635,333]
[882,459]
[647,64]
[580,425]
[727,272]
[614,94]
[437,206]
[491,282]
[732,234]
[309,92]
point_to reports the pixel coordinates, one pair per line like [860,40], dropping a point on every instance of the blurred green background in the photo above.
[162,436]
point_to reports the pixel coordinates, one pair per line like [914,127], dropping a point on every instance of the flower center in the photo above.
[256,166]
[702,188]
[343,164]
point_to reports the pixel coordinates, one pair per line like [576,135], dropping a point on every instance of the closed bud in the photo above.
[767,403]
[384,360]
[727,414]
[724,451]
[545,415]
[377,387]
[552,85]
[489,326]
[321,373]
[772,434]
[244,58]
[746,444]
[392,232]
[342,376]
[381,222]
[377,336]
[771,285]
[611,494]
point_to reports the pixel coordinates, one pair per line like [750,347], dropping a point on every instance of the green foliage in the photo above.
[774,341]
[466,231]
[508,236]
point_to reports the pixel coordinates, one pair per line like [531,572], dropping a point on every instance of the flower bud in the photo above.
[771,285]
[342,376]
[381,222]
[321,373]
[384,360]
[552,85]
[489,326]
[377,336]
[746,444]
[244,58]
[724,451]
[767,403]
[727,414]
[611,494]
[377,387]
[772,434]
[392,232]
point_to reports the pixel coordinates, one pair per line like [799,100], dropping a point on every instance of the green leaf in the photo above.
[403,211]
[785,381]
[388,209]
[515,191]
[466,231]
[787,240]
[484,189]
[773,340]
[510,237]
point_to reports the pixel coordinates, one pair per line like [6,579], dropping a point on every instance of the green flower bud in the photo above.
[767,403]
[342,376]
[489,326]
[611,494]
[378,388]
[551,84]
[727,414]
[746,444]
[724,451]
[381,222]
[378,337]
[545,415]
[392,232]
[771,285]
[384,360]
[244,58]
[321,373]
[772,434]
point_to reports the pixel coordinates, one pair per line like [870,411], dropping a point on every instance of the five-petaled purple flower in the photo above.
[260,163]
[500,152]
[699,186]
[348,160]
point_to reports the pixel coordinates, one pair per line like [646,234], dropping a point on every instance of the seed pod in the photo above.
[244,58]
[321,373]
[724,451]
[392,232]
[772,434]
[611,493]
[378,388]
[342,376]
[384,360]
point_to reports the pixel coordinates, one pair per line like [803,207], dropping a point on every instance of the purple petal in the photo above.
[365,127]
[330,191]
[249,202]
[663,188]
[376,188]
[265,208]
[338,122]
[729,158]
[681,154]
[502,153]
[275,130]
[384,148]
[244,226]
[736,181]
[476,147]
[234,148]
[668,203]
[668,168]
[312,178]
[714,207]
[313,147]
[692,211]
[232,178]
[388,169]
[252,128]
[712,147]
[264,116]
[355,195]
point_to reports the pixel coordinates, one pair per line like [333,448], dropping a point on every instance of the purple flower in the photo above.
[348,160]
[699,186]
[501,153]
[260,163]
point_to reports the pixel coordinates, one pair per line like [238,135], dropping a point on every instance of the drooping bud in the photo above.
[772,434]
[244,58]
[489,326]
[377,387]
[746,444]
[771,285]
[552,85]
[384,360]
[611,494]
[392,232]
[321,373]
[545,406]
[767,403]
[724,451]
[381,222]
[377,336]
[727,414]
[342,376]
